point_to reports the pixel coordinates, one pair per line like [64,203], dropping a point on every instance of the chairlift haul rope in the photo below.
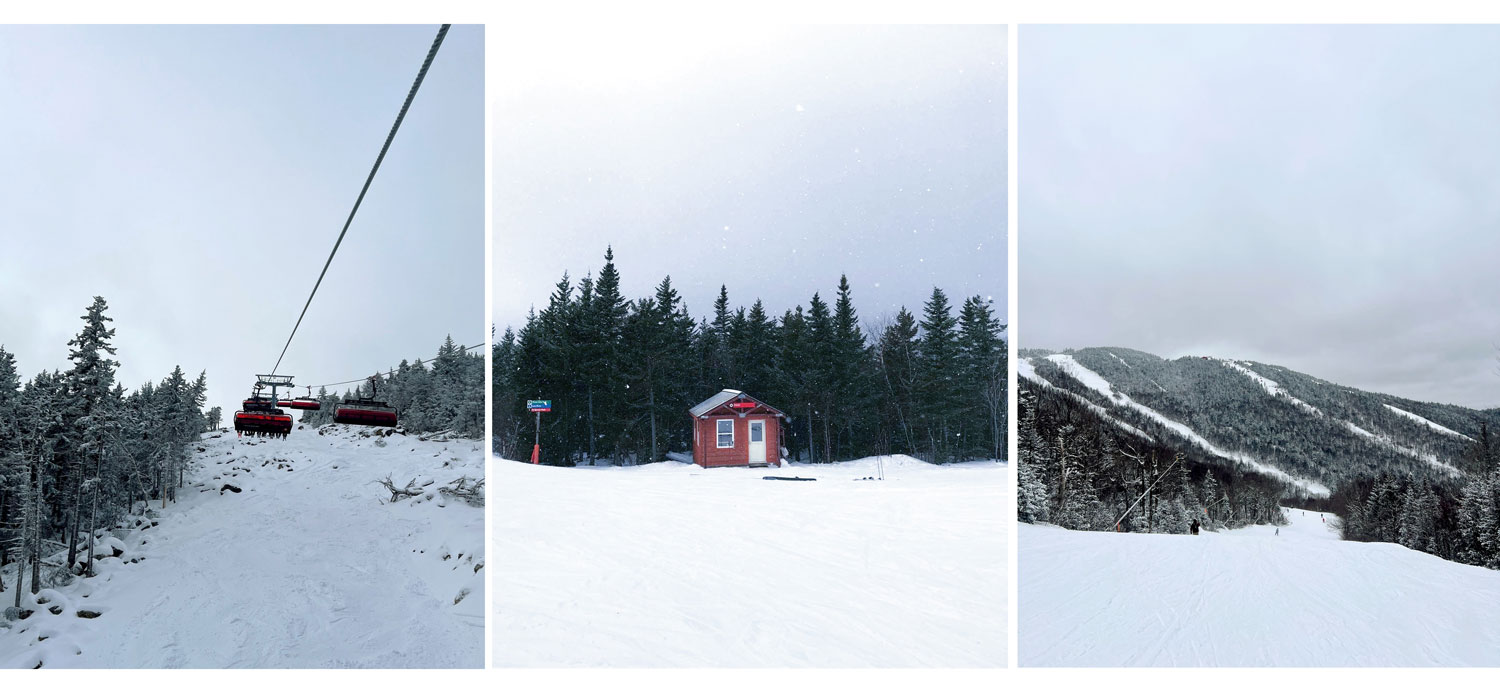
[412,94]
[419,362]
[262,416]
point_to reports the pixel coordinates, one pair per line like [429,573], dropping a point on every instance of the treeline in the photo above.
[621,375]
[1456,521]
[447,396]
[78,453]
[1079,471]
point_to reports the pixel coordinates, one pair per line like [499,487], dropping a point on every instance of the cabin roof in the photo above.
[725,396]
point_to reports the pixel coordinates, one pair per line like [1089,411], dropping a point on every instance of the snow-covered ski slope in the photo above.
[305,567]
[1260,418]
[1424,421]
[671,565]
[1249,598]
[1091,379]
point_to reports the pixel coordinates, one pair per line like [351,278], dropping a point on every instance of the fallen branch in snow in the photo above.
[467,489]
[398,493]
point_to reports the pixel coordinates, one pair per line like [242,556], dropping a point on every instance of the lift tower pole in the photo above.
[273,381]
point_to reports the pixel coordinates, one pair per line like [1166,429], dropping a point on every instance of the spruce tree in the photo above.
[12,462]
[796,392]
[981,368]
[937,383]
[89,383]
[896,351]
[821,375]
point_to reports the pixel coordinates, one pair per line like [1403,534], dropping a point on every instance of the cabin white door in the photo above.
[757,442]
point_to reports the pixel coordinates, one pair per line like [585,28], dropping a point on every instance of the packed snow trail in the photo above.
[671,565]
[305,567]
[1249,598]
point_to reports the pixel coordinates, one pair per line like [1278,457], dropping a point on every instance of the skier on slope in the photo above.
[1194,527]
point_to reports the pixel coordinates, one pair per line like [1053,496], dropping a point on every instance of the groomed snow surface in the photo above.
[672,565]
[307,566]
[1249,598]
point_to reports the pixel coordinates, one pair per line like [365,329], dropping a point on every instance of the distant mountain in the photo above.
[1262,418]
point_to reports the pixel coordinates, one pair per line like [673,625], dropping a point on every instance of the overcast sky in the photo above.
[767,159]
[1322,198]
[196,178]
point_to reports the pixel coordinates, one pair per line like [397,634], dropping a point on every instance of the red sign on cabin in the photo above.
[743,404]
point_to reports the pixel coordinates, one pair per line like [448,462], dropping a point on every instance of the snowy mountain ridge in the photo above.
[1304,431]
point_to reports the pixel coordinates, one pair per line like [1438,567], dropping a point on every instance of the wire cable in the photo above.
[412,94]
[414,364]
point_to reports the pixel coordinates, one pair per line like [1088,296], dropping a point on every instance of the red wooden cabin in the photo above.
[733,428]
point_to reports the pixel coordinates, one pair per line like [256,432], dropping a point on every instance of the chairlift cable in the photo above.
[410,95]
[418,362]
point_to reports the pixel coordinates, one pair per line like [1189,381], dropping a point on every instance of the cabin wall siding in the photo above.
[705,441]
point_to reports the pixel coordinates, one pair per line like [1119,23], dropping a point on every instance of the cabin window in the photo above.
[726,433]
[758,432]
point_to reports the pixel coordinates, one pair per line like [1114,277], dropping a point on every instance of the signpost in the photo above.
[538,407]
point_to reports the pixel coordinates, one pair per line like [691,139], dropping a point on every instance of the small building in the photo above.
[733,428]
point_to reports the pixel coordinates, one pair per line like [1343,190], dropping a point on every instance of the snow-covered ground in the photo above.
[671,565]
[1249,598]
[306,567]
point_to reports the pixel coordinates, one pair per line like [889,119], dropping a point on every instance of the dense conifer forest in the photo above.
[1079,471]
[1455,518]
[79,453]
[444,393]
[621,374]
[1423,475]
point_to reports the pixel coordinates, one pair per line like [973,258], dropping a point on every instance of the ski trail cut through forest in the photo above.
[1094,381]
[1249,598]
[304,567]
